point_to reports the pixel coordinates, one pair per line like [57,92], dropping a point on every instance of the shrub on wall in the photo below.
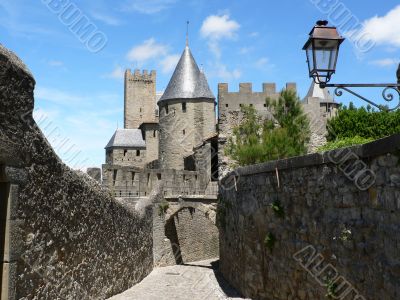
[363,122]
[286,135]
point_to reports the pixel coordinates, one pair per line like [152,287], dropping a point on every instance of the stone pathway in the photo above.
[193,281]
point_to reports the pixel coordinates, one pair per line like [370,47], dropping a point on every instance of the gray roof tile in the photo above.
[187,82]
[127,138]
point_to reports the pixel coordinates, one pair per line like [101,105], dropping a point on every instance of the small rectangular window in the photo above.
[184,106]
[137,152]
[166,109]
[125,152]
[184,131]
[227,105]
[265,105]
[154,133]
[140,109]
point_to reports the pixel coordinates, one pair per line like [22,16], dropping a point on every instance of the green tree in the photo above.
[285,135]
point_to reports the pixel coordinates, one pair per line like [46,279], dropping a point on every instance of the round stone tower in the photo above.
[187,113]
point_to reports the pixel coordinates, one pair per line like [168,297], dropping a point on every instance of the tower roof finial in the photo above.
[187,33]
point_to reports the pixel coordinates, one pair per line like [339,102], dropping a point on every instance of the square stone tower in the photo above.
[140,98]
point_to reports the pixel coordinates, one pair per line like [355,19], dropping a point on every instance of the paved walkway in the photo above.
[193,281]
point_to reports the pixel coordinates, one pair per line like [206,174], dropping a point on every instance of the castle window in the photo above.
[166,109]
[159,176]
[240,104]
[265,105]
[125,151]
[140,109]
[184,106]
[227,105]
[184,131]
[154,133]
[137,152]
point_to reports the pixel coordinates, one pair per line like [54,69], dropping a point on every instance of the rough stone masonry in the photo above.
[300,228]
[62,235]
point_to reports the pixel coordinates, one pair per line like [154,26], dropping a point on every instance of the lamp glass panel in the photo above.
[325,54]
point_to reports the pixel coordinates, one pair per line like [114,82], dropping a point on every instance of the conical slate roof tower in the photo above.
[187,82]
[187,113]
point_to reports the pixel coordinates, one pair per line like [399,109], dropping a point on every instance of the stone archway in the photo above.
[192,233]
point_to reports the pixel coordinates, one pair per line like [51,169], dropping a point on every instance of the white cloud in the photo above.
[262,61]
[55,63]
[57,96]
[383,30]
[147,6]
[222,72]
[169,63]
[149,49]
[217,27]
[107,19]
[117,73]
[254,34]
[386,62]
[245,50]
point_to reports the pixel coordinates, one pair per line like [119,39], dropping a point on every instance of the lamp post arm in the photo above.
[339,88]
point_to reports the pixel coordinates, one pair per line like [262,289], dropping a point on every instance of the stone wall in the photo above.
[229,106]
[65,237]
[136,182]
[135,157]
[296,228]
[318,113]
[150,132]
[184,229]
[140,98]
[181,130]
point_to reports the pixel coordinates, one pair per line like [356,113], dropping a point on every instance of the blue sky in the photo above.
[79,93]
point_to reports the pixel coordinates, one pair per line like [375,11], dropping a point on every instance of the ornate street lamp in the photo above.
[322,49]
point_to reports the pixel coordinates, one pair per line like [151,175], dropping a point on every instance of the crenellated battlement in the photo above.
[140,97]
[246,88]
[138,75]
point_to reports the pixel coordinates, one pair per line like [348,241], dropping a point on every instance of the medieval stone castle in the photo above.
[63,235]
[176,136]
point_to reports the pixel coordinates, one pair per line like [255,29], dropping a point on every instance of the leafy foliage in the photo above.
[278,209]
[363,122]
[162,208]
[269,241]
[331,290]
[286,135]
[344,142]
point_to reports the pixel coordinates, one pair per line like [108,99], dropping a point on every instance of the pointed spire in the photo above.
[187,81]
[187,33]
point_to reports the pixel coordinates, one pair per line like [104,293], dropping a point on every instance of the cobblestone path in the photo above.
[193,281]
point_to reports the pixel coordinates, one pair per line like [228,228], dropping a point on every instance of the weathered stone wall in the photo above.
[181,131]
[229,106]
[184,229]
[343,230]
[66,236]
[135,157]
[318,114]
[140,98]
[151,134]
